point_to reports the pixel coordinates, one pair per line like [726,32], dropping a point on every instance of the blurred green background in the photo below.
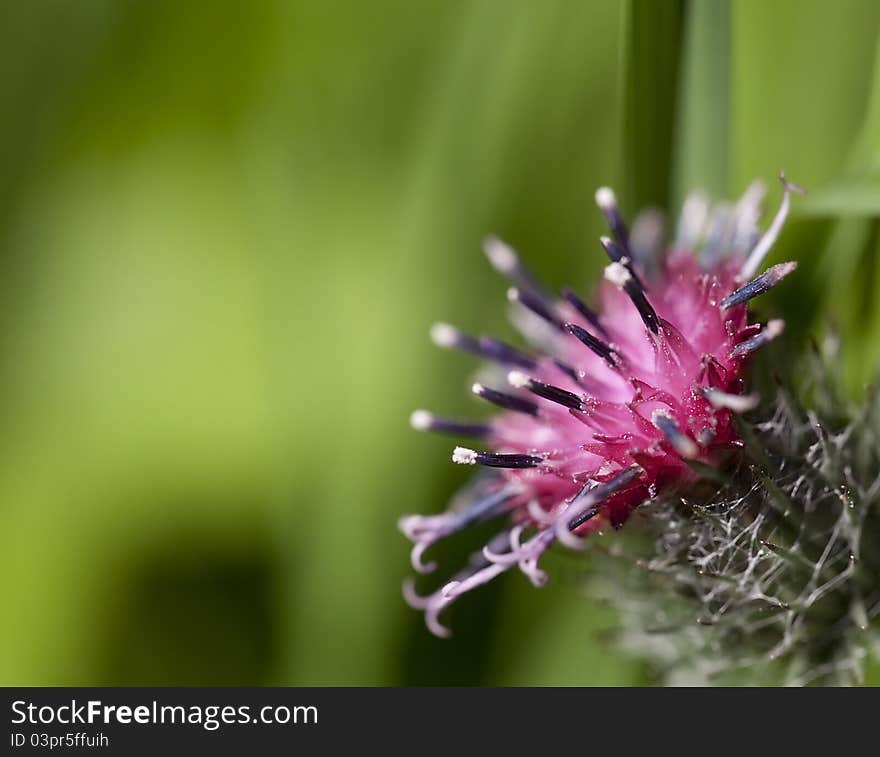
[225,229]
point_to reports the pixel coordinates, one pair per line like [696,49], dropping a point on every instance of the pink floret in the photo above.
[662,372]
[618,405]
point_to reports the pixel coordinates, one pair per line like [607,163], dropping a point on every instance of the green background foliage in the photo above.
[225,229]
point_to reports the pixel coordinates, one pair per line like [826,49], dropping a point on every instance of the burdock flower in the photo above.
[608,408]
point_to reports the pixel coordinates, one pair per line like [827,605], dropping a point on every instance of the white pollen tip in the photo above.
[513,294]
[421,420]
[658,414]
[605,198]
[477,389]
[688,448]
[683,444]
[464,456]
[444,335]
[617,274]
[518,379]
[738,403]
[501,256]
[774,328]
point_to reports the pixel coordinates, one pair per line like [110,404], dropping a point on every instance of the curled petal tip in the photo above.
[539,578]
[449,590]
[436,627]
[412,597]
[568,539]
[416,559]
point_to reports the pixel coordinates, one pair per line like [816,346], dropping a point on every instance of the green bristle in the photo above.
[770,575]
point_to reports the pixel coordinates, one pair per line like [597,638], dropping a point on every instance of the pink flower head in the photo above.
[611,405]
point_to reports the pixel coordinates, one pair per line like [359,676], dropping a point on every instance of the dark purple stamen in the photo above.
[680,442]
[487,347]
[568,370]
[577,522]
[507,401]
[621,276]
[607,203]
[495,349]
[547,391]
[597,493]
[422,420]
[646,311]
[595,344]
[534,303]
[465,456]
[618,255]
[757,286]
[772,330]
[587,312]
[481,510]
[507,262]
